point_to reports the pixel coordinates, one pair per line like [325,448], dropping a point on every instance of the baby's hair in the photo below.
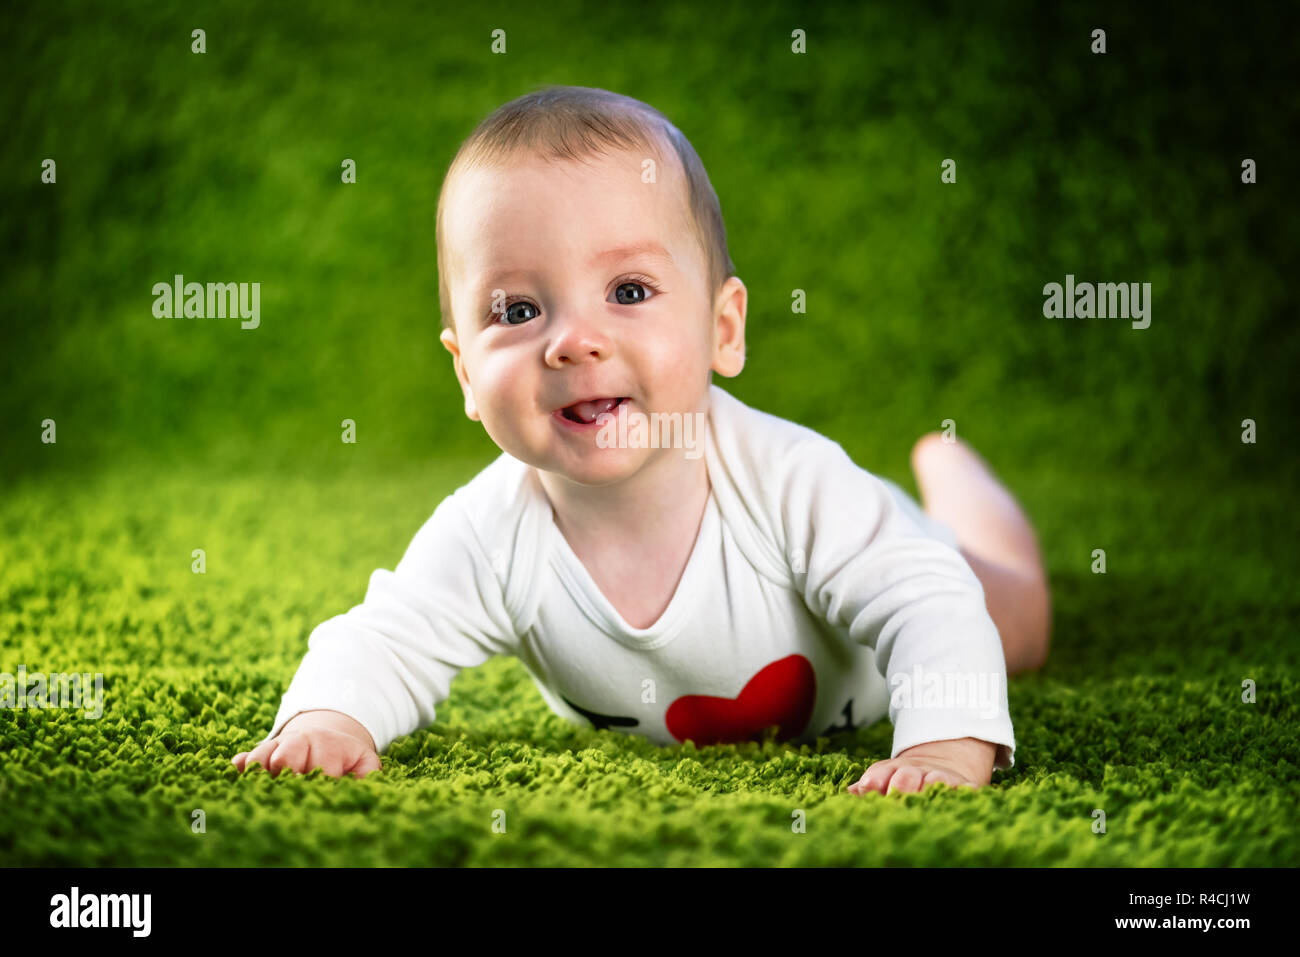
[574,122]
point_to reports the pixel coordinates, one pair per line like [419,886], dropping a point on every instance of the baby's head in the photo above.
[582,256]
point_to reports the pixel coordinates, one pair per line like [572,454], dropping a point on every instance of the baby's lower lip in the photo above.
[596,423]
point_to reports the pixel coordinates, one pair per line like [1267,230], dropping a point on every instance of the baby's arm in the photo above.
[872,572]
[380,670]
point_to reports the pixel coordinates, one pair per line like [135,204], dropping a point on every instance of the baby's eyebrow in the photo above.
[648,248]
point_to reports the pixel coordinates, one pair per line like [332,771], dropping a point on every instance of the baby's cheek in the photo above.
[679,372]
[498,391]
[490,401]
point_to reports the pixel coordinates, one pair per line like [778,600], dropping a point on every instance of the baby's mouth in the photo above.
[586,412]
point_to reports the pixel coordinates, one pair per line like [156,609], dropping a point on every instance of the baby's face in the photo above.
[576,289]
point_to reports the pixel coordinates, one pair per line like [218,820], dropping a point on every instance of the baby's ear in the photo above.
[448,338]
[729,329]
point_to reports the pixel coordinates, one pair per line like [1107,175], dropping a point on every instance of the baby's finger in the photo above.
[943,777]
[293,753]
[906,779]
[238,760]
[327,759]
[876,778]
[259,754]
[369,761]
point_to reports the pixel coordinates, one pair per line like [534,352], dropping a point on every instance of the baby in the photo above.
[704,584]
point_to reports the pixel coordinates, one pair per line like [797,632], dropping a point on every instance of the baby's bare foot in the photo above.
[996,539]
[959,489]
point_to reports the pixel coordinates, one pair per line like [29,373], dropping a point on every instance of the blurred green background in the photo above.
[924,300]
[924,303]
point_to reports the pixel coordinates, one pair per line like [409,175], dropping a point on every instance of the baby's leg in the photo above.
[995,537]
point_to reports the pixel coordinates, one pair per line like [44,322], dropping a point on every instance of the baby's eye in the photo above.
[632,291]
[512,316]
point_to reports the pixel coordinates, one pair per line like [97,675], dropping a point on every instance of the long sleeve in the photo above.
[867,568]
[389,662]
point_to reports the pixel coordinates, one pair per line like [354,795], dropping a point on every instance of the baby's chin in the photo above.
[593,467]
[597,468]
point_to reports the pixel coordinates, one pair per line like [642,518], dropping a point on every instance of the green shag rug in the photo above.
[924,303]
[1139,712]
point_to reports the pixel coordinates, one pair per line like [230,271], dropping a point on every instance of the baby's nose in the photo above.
[577,342]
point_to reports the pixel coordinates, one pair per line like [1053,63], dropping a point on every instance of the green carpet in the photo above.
[1138,712]
[925,303]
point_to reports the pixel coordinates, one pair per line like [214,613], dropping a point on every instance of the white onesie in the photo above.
[818,598]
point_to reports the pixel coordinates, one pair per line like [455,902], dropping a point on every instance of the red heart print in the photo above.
[782,693]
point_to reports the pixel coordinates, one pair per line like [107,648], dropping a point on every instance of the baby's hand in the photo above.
[960,762]
[329,740]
